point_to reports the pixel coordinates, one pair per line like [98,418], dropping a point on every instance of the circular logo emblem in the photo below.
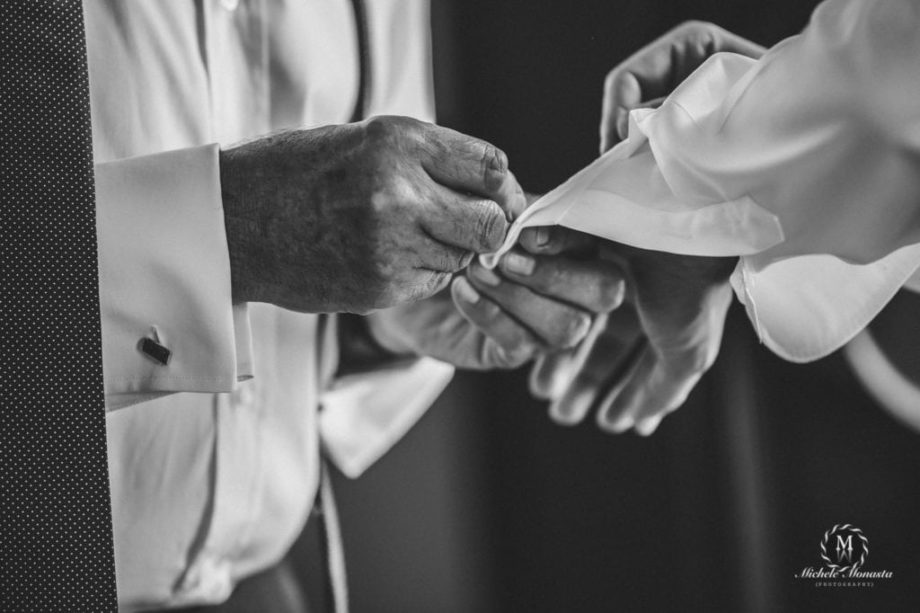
[844,547]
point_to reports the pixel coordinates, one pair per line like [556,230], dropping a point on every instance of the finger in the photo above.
[608,366]
[553,373]
[469,164]
[570,409]
[647,426]
[465,222]
[505,342]
[417,285]
[622,116]
[607,358]
[512,198]
[551,240]
[622,93]
[686,339]
[678,374]
[655,70]
[614,414]
[435,254]
[723,40]
[593,285]
[657,387]
[557,325]
[431,283]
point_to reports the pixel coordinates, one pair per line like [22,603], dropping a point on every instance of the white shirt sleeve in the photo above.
[164,275]
[806,163]
[365,414]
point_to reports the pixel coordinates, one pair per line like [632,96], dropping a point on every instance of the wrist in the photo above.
[239,227]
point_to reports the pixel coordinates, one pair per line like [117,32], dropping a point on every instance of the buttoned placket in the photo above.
[237,454]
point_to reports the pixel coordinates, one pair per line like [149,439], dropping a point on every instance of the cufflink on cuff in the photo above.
[155,351]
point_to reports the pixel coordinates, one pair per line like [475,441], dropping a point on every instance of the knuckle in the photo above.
[700,34]
[490,226]
[413,288]
[379,128]
[452,260]
[488,311]
[381,200]
[571,331]
[494,166]
[385,130]
[612,80]
[392,193]
[695,27]
[437,282]
[465,259]
[383,275]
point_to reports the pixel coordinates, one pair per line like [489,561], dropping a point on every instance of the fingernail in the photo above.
[486,276]
[542,236]
[466,291]
[519,264]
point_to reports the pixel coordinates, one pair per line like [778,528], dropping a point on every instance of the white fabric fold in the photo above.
[364,415]
[805,163]
[623,196]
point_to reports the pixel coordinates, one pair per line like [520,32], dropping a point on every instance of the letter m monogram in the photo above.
[844,547]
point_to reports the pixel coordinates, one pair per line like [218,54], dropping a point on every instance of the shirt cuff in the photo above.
[365,414]
[805,307]
[168,322]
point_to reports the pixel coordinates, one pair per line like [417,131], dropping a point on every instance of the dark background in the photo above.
[487,506]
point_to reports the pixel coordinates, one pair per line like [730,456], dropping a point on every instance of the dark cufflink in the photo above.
[155,351]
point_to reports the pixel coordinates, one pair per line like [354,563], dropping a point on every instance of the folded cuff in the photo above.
[164,276]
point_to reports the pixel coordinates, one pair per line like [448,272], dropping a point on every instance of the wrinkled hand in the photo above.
[641,363]
[537,300]
[356,217]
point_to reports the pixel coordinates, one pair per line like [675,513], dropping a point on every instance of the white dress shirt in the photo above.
[806,163]
[214,456]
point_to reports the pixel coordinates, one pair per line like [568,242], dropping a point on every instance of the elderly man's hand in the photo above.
[536,301]
[356,217]
[641,363]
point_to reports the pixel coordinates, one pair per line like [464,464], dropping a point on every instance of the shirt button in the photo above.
[230,5]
